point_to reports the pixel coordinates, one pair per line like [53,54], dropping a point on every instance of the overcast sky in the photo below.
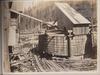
[21,5]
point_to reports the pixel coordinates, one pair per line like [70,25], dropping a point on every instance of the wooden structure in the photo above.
[33,18]
[74,26]
[53,43]
[70,19]
[71,23]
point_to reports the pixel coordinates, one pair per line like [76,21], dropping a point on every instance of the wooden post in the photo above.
[0,40]
[69,47]
[19,27]
[5,15]
[69,43]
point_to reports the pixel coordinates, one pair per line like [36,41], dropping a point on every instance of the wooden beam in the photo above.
[5,24]
[0,39]
[38,63]
[31,17]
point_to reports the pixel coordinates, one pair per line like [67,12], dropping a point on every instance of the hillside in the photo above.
[46,11]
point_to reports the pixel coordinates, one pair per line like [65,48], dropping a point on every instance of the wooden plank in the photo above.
[80,30]
[78,45]
[38,63]
[0,40]
[32,17]
[5,24]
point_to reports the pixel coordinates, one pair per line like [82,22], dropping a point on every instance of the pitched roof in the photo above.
[72,14]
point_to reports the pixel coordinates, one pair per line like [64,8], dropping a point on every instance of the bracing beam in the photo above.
[41,21]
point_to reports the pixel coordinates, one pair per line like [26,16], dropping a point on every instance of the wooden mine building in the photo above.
[75,28]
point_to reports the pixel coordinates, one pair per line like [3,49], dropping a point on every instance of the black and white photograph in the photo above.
[49,36]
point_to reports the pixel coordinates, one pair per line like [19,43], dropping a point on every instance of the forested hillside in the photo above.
[46,11]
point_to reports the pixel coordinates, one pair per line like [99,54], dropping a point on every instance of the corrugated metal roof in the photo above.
[72,14]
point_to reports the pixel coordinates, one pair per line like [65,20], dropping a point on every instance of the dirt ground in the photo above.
[80,65]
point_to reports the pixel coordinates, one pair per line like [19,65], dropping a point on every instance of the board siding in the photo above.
[56,45]
[78,45]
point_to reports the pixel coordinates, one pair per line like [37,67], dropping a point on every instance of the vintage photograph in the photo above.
[49,35]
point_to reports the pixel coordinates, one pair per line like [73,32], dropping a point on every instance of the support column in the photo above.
[5,21]
[69,43]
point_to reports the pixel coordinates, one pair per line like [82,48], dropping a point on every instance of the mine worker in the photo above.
[88,45]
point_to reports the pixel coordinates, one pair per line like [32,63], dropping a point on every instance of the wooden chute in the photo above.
[41,21]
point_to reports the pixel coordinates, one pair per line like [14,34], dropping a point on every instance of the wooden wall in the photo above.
[78,45]
[56,45]
[12,33]
[81,30]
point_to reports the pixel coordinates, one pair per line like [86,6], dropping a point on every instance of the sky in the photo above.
[24,4]
[21,5]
